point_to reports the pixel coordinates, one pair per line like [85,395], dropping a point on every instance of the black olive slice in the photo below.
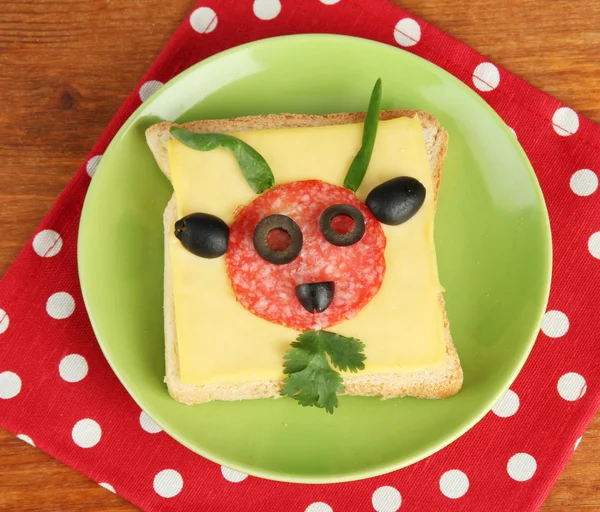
[203,234]
[315,297]
[396,200]
[335,237]
[277,223]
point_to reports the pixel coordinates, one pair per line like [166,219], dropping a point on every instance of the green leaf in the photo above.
[359,165]
[345,353]
[254,167]
[317,385]
[310,378]
[296,360]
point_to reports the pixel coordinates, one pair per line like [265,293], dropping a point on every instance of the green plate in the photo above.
[492,235]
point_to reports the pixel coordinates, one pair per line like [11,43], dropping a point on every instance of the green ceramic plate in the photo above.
[492,235]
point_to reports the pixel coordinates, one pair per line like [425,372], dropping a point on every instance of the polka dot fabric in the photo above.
[65,400]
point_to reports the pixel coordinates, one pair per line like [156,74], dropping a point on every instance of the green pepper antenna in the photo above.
[360,164]
[254,167]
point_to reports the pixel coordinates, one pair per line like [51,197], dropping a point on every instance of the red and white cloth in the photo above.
[64,397]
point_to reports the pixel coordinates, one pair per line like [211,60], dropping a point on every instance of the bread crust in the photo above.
[424,383]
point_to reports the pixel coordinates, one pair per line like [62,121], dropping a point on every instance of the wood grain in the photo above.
[68,64]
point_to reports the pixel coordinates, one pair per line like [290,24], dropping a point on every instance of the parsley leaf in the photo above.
[310,378]
[345,353]
[316,385]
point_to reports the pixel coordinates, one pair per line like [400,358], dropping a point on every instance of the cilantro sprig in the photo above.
[311,380]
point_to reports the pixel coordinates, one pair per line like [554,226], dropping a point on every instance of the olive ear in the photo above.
[397,200]
[203,234]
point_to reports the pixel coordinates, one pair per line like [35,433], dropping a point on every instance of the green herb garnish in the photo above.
[254,167]
[310,378]
[359,165]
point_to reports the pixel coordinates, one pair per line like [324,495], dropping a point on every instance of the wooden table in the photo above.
[65,69]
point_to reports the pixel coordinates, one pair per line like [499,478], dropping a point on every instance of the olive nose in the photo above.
[315,297]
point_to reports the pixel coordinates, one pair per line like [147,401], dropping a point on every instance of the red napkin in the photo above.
[57,391]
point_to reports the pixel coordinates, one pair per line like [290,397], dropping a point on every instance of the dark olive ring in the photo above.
[271,223]
[342,239]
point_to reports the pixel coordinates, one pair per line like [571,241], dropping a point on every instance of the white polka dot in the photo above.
[407,32]
[329,2]
[266,9]
[27,439]
[92,165]
[555,324]
[386,499]
[521,467]
[232,475]
[4,321]
[203,20]
[73,368]
[107,486]
[60,305]
[168,483]
[565,121]
[454,484]
[148,424]
[486,77]
[584,182]
[149,88]
[86,433]
[577,443]
[571,386]
[513,131]
[318,506]
[10,385]
[594,245]
[47,243]
[508,405]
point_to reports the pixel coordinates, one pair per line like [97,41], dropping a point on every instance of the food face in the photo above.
[308,254]
[324,283]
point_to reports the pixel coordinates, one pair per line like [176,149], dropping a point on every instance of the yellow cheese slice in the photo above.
[402,327]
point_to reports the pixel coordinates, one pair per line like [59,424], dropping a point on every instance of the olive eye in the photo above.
[203,234]
[342,224]
[277,239]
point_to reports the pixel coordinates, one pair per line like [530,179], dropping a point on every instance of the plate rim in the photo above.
[353,475]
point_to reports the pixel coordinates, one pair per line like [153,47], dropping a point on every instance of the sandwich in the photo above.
[300,258]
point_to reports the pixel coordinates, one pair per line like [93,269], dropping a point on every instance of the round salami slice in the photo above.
[270,290]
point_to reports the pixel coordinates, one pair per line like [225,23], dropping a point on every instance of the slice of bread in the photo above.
[425,383]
